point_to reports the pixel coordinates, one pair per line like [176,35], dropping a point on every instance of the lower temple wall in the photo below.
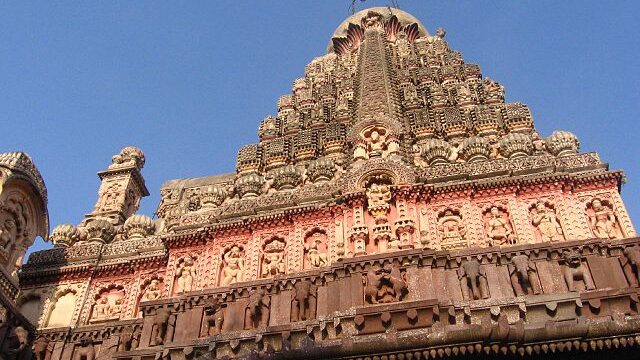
[518,300]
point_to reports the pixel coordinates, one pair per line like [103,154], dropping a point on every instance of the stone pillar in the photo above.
[122,186]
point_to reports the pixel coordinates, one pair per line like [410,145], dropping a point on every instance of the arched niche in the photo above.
[30,306]
[62,310]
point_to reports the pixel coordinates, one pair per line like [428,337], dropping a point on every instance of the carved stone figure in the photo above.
[303,301]
[128,156]
[632,257]
[233,266]
[523,276]
[603,220]
[378,195]
[162,329]
[40,348]
[152,291]
[473,281]
[545,220]
[257,310]
[315,258]
[11,224]
[84,350]
[15,347]
[213,317]
[129,340]
[376,142]
[574,270]
[499,229]
[452,231]
[273,258]
[384,285]
[107,307]
[101,309]
[185,275]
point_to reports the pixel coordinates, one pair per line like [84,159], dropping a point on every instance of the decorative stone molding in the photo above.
[138,227]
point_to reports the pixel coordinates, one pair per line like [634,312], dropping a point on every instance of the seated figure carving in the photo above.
[575,271]
[152,291]
[452,231]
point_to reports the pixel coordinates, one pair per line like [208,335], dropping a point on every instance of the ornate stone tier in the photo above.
[540,299]
[176,211]
[80,261]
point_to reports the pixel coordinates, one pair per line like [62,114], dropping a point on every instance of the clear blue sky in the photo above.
[189,82]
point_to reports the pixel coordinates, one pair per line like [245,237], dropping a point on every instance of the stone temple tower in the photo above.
[394,207]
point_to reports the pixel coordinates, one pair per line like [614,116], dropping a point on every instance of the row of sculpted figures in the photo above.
[390,281]
[282,252]
[276,255]
[385,281]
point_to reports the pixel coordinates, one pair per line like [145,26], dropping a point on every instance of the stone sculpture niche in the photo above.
[273,258]
[62,310]
[379,204]
[602,219]
[544,219]
[163,327]
[185,274]
[233,266]
[108,304]
[375,141]
[303,301]
[385,285]
[257,311]
[213,318]
[523,273]
[498,227]
[315,249]
[452,230]
[473,281]
[152,289]
[576,274]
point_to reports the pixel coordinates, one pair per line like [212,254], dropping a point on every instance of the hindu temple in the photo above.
[393,207]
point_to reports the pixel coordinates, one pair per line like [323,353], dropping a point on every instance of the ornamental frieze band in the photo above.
[394,207]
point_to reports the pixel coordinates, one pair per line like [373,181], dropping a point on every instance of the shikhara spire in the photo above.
[395,198]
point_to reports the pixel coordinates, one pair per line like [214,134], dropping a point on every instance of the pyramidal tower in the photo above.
[395,207]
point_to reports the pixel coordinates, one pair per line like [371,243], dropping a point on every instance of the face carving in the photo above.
[12,223]
[8,229]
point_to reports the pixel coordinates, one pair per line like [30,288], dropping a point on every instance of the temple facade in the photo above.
[395,207]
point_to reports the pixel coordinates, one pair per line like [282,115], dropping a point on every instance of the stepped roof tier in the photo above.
[393,206]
